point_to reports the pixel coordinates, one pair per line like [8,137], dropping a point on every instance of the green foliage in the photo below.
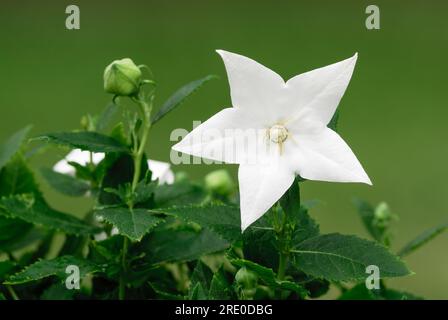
[85,140]
[27,208]
[421,239]
[56,267]
[345,258]
[222,219]
[12,145]
[146,240]
[65,184]
[180,243]
[133,223]
[180,96]
[268,276]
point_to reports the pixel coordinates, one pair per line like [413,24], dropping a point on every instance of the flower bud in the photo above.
[382,212]
[219,182]
[122,77]
[246,278]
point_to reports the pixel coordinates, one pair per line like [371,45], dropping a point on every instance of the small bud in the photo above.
[382,212]
[219,182]
[246,278]
[122,77]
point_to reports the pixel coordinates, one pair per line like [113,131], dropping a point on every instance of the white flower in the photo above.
[293,117]
[160,170]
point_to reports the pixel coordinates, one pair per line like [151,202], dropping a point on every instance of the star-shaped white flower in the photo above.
[160,170]
[292,118]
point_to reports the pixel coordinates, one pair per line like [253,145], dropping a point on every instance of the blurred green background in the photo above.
[393,116]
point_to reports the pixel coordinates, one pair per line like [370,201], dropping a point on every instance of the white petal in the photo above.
[316,94]
[78,156]
[162,171]
[325,157]
[254,87]
[260,188]
[232,136]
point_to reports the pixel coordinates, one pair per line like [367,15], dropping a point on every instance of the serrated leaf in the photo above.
[132,223]
[16,178]
[179,97]
[200,281]
[56,267]
[85,140]
[343,258]
[220,288]
[421,239]
[6,268]
[65,184]
[58,291]
[268,276]
[260,243]
[27,208]
[12,145]
[224,220]
[178,194]
[184,244]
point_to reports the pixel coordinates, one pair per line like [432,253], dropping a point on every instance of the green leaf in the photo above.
[85,140]
[64,183]
[360,292]
[367,213]
[344,258]
[220,288]
[333,124]
[224,220]
[16,178]
[132,223]
[6,268]
[422,239]
[179,97]
[200,281]
[58,291]
[268,276]
[56,267]
[305,227]
[260,243]
[181,244]
[106,116]
[27,208]
[178,194]
[12,145]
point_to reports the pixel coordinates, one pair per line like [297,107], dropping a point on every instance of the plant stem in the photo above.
[12,292]
[121,292]
[282,264]
[146,111]
[139,150]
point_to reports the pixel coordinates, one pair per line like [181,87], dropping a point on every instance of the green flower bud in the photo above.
[246,278]
[122,77]
[382,212]
[219,182]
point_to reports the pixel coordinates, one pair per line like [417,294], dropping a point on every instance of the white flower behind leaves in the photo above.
[160,170]
[290,119]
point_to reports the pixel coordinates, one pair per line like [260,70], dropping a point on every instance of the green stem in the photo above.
[12,292]
[121,292]
[282,264]
[139,150]
[138,155]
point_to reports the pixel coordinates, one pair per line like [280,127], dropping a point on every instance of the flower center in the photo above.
[278,134]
